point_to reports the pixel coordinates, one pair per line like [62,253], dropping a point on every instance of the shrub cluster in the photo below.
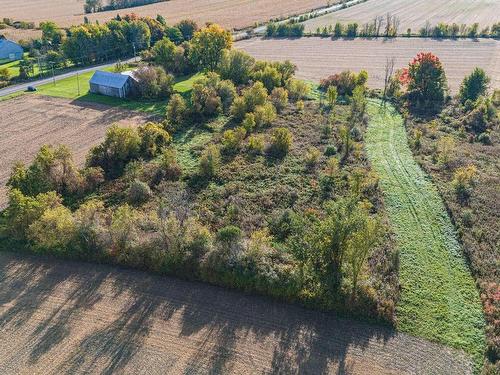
[344,83]
[287,29]
[153,83]
[123,145]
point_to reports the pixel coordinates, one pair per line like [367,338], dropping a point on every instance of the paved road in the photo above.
[260,30]
[23,86]
[60,317]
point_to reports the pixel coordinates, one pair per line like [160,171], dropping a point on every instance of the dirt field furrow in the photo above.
[229,13]
[317,58]
[30,121]
[414,14]
[66,317]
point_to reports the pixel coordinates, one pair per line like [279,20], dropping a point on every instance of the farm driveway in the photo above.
[66,317]
[30,121]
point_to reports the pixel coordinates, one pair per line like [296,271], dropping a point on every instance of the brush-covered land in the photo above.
[246,183]
[455,140]
[460,151]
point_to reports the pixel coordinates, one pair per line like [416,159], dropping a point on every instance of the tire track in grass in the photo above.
[439,300]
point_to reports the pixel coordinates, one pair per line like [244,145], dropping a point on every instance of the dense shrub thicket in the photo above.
[285,29]
[92,6]
[229,204]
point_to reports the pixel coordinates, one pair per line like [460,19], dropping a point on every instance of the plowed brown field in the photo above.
[30,121]
[414,14]
[59,317]
[229,13]
[316,58]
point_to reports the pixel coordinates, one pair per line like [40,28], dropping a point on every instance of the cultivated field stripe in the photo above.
[59,317]
[439,299]
[317,58]
[414,14]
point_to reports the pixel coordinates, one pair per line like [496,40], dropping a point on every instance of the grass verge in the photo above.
[439,300]
[77,88]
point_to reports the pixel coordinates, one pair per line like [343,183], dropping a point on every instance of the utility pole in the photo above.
[135,56]
[39,66]
[53,75]
[78,83]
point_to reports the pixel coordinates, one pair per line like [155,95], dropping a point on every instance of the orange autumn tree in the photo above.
[425,81]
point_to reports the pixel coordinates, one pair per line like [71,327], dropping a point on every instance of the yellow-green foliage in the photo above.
[54,230]
[210,161]
[256,144]
[281,141]
[265,114]
[445,147]
[464,180]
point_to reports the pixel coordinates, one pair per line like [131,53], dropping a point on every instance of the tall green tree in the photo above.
[474,85]
[426,81]
[208,46]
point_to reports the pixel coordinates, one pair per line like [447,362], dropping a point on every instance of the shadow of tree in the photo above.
[225,331]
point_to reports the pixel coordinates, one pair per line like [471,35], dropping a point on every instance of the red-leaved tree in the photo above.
[425,80]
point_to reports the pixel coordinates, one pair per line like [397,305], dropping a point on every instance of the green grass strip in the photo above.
[439,300]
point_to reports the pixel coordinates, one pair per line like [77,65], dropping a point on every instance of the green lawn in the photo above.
[439,300]
[68,88]
[13,67]
[184,84]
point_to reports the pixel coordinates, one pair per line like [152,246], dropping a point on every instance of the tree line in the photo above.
[94,6]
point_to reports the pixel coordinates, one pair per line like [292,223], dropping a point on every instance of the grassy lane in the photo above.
[439,300]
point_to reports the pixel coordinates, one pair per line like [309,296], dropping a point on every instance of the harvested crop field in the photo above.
[20,34]
[30,121]
[229,13]
[65,317]
[317,58]
[414,14]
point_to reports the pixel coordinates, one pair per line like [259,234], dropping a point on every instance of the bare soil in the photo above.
[20,34]
[65,317]
[30,121]
[229,13]
[317,58]
[414,14]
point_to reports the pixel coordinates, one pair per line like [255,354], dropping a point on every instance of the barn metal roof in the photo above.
[115,80]
[5,43]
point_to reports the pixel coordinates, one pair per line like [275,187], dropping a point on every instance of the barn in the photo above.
[10,50]
[111,84]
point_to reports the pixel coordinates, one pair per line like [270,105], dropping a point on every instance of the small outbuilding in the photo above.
[111,84]
[10,50]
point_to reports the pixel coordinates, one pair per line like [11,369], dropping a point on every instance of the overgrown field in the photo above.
[229,13]
[320,57]
[439,299]
[476,209]
[414,14]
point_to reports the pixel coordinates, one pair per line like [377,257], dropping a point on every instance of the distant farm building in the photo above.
[111,84]
[10,50]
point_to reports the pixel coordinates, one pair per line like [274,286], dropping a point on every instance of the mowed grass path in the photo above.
[439,300]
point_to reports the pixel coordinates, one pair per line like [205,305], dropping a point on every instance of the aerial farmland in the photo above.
[229,13]
[317,57]
[249,187]
[415,14]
